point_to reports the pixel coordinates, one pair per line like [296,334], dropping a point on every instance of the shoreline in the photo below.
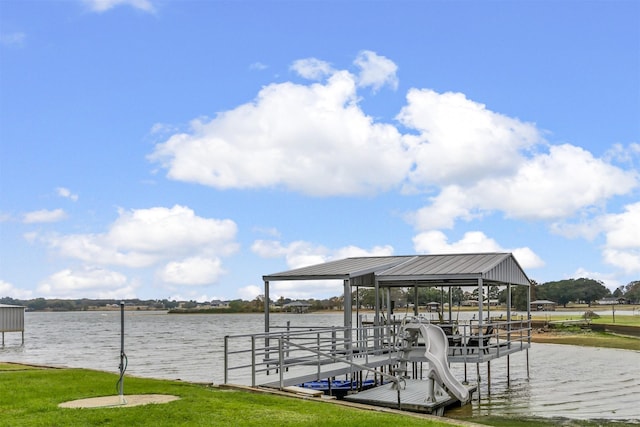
[586,339]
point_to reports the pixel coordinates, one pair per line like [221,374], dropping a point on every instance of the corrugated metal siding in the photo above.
[508,271]
[11,318]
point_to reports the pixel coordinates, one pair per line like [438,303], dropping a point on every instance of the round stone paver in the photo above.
[117,402]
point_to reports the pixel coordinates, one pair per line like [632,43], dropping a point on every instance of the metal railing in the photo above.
[299,351]
[298,355]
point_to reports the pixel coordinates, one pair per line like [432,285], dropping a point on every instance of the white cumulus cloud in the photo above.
[556,185]
[312,68]
[44,215]
[249,293]
[193,271]
[461,141]
[66,193]
[311,139]
[96,282]
[548,186]
[376,71]
[144,237]
[9,290]
[436,242]
[300,254]
[622,232]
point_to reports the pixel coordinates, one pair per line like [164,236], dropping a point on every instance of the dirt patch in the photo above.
[118,402]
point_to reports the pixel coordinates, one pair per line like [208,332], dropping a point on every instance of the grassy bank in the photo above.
[30,397]
[603,319]
[573,336]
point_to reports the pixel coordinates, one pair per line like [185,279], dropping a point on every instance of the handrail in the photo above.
[247,357]
[395,379]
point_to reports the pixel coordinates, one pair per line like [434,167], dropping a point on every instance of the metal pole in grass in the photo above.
[122,356]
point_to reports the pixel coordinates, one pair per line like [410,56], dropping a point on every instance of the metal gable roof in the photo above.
[494,267]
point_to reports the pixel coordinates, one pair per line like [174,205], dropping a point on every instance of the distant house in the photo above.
[296,307]
[613,300]
[216,303]
[543,305]
[433,306]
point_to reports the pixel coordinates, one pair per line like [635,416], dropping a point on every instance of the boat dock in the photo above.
[400,364]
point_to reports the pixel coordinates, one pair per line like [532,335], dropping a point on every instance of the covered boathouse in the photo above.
[387,349]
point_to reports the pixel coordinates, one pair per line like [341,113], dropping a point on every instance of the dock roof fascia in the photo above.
[446,269]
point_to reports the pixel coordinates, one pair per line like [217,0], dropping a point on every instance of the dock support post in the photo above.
[347,309]
[478,379]
[489,377]
[527,351]
[508,372]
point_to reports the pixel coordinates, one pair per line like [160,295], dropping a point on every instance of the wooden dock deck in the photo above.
[413,397]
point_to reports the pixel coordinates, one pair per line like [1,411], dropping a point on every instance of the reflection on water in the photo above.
[565,381]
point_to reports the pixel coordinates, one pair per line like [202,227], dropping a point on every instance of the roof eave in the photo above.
[275,277]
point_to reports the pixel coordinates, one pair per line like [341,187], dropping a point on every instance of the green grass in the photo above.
[30,397]
[574,336]
[605,319]
[619,320]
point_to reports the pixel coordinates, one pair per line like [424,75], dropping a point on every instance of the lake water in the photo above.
[565,381]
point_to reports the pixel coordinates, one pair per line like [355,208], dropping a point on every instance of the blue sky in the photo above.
[183,149]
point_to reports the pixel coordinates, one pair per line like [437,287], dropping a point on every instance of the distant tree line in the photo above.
[562,292]
[580,290]
[84,304]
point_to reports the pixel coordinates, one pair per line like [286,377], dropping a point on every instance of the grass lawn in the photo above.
[604,319]
[30,397]
[574,336]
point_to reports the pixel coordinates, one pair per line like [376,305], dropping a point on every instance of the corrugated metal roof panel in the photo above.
[497,267]
[340,269]
[494,267]
[447,264]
